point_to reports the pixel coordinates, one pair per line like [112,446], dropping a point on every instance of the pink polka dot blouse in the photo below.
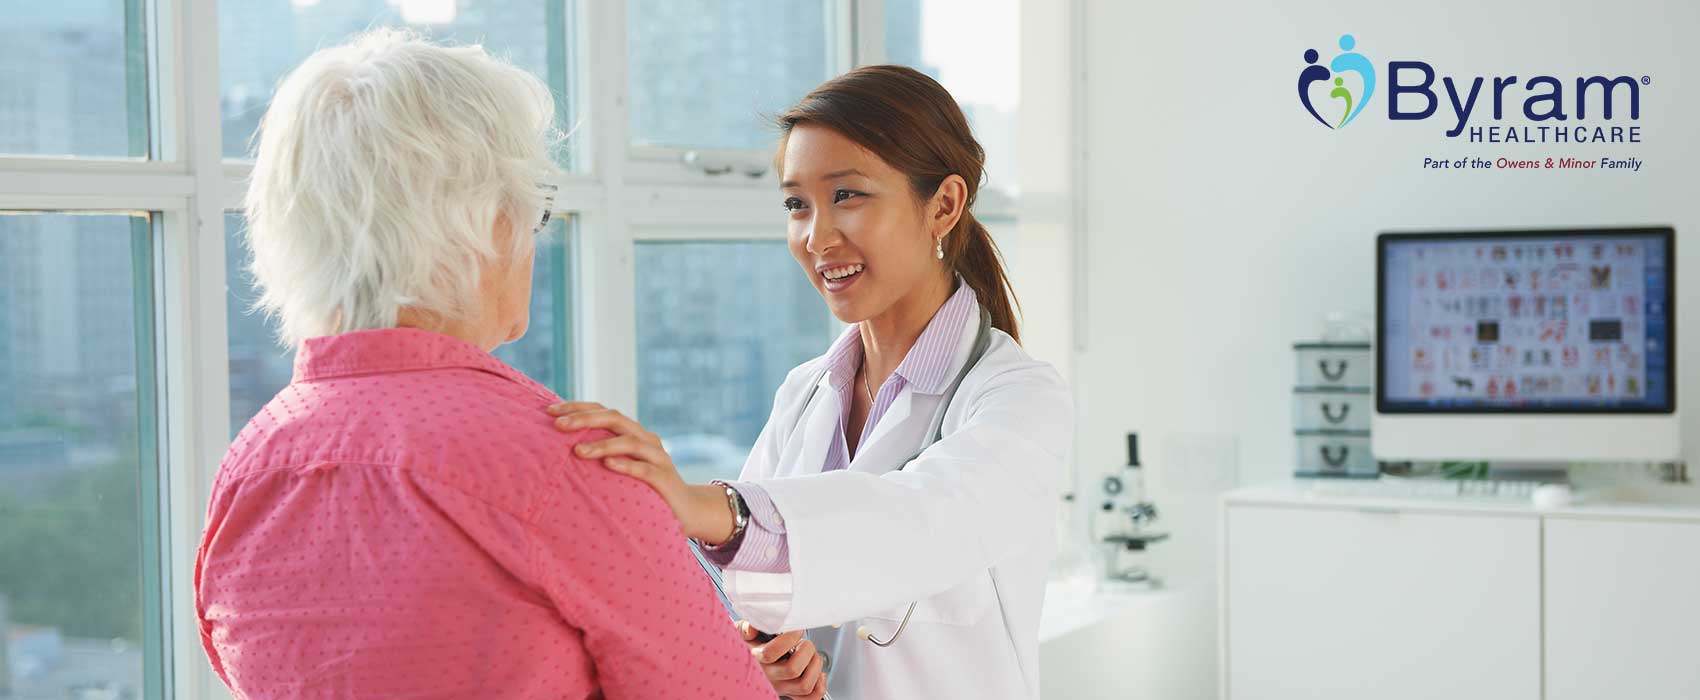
[403,521]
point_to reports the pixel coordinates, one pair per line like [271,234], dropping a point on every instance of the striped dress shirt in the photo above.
[764,545]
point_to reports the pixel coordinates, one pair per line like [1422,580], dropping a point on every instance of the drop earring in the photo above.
[938,250]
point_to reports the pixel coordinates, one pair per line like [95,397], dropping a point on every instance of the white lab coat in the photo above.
[966,529]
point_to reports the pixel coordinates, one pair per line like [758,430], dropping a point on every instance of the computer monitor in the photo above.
[1537,346]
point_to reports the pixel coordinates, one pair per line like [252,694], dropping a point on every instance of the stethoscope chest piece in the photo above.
[868,635]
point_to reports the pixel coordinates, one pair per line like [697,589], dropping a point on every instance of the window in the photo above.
[260,41]
[544,351]
[75,77]
[719,324]
[708,74]
[974,61]
[111,391]
[78,457]
[259,368]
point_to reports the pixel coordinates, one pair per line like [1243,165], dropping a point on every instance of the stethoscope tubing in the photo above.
[982,340]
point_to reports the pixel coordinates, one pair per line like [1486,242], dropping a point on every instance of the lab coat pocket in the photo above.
[962,606]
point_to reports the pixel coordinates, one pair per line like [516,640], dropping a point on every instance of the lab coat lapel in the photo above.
[805,452]
[895,437]
[901,431]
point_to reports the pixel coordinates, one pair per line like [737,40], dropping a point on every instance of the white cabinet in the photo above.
[1359,597]
[1622,609]
[1380,602]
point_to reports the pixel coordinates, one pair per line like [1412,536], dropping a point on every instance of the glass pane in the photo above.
[75,79]
[978,67]
[260,41]
[77,457]
[542,352]
[719,324]
[259,368]
[709,74]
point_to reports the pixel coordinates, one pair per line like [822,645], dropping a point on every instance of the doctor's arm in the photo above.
[789,662]
[703,511]
[985,491]
[608,555]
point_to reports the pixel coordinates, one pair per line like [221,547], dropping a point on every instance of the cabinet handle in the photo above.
[1335,455]
[1335,375]
[1328,413]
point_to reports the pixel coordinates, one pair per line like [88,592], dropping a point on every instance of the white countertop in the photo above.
[1115,643]
[1633,502]
[1070,609]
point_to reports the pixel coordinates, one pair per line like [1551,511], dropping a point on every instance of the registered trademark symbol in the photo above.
[1646,80]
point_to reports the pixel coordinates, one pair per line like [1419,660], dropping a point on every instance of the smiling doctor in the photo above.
[910,473]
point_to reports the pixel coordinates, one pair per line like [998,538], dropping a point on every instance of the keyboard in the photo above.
[1386,487]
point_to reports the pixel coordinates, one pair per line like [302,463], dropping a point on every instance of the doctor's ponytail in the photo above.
[912,123]
[971,252]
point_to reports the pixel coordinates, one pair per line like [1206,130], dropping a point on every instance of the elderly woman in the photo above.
[402,520]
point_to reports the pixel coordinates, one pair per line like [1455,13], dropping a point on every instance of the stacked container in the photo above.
[1332,403]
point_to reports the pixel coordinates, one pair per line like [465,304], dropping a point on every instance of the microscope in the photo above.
[1125,521]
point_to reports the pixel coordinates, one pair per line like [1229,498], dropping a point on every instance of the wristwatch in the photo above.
[740,517]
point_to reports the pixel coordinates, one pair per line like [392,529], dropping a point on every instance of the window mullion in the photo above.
[196,333]
[92,189]
[165,97]
[606,340]
[687,208]
[158,618]
[867,33]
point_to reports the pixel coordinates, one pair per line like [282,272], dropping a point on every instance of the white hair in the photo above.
[381,171]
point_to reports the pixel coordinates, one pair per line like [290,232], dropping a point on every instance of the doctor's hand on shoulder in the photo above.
[792,664]
[702,509]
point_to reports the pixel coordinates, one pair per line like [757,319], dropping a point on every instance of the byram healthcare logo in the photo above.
[1337,92]
[1348,61]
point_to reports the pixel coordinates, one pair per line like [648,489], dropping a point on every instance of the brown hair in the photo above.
[911,122]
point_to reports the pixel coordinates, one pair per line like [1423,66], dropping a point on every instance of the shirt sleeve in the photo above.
[764,546]
[613,561]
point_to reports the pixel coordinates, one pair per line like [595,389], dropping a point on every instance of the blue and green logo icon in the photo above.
[1349,61]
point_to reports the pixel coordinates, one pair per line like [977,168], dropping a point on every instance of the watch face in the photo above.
[743,508]
[740,509]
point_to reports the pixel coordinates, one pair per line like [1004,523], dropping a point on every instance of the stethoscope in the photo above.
[982,340]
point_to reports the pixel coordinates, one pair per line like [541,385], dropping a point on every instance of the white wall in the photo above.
[1223,222]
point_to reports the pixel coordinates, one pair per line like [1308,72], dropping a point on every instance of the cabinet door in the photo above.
[1350,603]
[1621,611]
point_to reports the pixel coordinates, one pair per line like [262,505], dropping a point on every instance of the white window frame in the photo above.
[189,325]
[700,167]
[619,194]
[653,195]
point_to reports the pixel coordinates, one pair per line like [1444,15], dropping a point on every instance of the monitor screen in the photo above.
[1528,321]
